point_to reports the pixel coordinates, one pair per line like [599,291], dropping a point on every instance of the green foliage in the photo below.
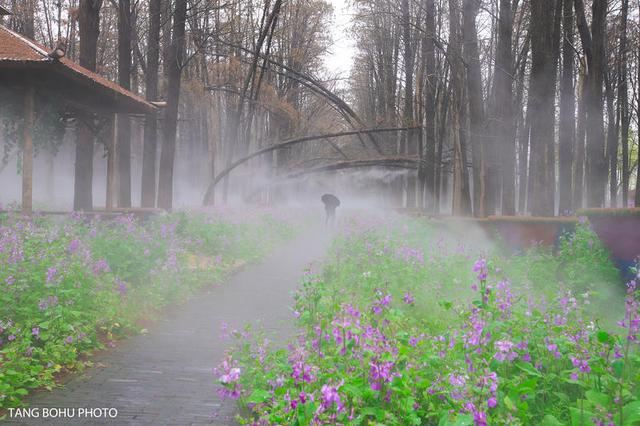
[71,287]
[404,327]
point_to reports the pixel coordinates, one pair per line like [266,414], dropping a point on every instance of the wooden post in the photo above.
[27,151]
[111,164]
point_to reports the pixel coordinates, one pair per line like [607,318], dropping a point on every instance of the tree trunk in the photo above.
[623,103]
[409,135]
[578,166]
[541,93]
[460,205]
[165,181]
[476,107]
[89,24]
[567,112]
[593,44]
[503,82]
[612,143]
[430,106]
[149,153]
[123,149]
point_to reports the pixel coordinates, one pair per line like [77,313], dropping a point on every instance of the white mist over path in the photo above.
[165,377]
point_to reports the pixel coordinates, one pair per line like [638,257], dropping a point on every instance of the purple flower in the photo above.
[73,245]
[492,402]
[11,337]
[232,376]
[481,268]
[479,418]
[408,299]
[51,274]
[68,340]
[122,287]
[505,350]
[10,280]
[457,381]
[330,396]
[35,331]
[100,266]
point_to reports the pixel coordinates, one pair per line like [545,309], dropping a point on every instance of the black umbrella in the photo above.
[330,201]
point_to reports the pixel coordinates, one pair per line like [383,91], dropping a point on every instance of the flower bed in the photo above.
[402,328]
[73,285]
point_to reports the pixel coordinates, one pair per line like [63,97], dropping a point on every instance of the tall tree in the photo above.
[124,122]
[170,124]
[503,116]
[593,44]
[624,118]
[430,103]
[460,194]
[567,111]
[476,106]
[410,137]
[149,153]
[541,102]
[89,25]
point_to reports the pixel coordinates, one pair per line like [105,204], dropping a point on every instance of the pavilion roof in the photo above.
[18,52]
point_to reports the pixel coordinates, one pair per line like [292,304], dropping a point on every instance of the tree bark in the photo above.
[170,124]
[593,44]
[578,166]
[89,24]
[623,102]
[612,142]
[123,150]
[409,136]
[476,108]
[430,106]
[541,93]
[567,112]
[149,153]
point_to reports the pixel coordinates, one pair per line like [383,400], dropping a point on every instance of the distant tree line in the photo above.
[527,106]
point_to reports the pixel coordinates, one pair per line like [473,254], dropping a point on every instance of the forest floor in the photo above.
[165,377]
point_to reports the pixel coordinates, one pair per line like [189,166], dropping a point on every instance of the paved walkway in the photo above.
[165,377]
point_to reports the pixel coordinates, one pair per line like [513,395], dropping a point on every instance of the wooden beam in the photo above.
[27,150]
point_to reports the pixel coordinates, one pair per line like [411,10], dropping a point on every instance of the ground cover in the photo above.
[70,286]
[407,325]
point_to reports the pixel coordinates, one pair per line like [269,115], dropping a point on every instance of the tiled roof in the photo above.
[17,49]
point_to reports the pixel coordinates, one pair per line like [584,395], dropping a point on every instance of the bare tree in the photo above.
[89,22]
[170,124]
[148,190]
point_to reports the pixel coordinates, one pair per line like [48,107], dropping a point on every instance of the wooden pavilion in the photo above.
[38,73]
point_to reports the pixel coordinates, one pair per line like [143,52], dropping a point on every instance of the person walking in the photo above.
[331,202]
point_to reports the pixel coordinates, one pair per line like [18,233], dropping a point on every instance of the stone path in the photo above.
[165,377]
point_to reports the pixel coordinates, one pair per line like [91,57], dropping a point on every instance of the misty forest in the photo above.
[320,212]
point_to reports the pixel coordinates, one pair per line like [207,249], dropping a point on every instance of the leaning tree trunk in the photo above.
[89,24]
[170,125]
[149,152]
[124,123]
